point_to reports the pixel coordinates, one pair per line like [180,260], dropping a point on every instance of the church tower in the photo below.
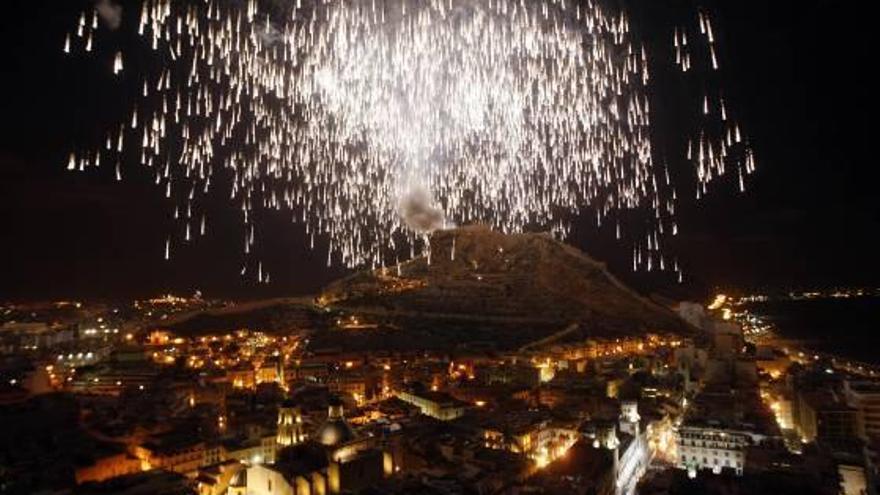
[290,427]
[629,417]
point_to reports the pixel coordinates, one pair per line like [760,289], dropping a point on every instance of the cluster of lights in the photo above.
[758,329]
[78,355]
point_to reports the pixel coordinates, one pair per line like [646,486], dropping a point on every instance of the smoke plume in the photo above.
[419,212]
[110,13]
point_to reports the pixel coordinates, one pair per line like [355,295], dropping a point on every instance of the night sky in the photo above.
[796,71]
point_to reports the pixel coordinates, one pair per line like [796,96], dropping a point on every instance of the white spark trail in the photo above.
[375,122]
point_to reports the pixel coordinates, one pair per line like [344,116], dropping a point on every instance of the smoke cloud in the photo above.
[110,13]
[419,212]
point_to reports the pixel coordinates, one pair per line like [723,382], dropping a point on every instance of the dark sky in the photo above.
[797,72]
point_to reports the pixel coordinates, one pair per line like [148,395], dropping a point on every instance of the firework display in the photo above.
[377,122]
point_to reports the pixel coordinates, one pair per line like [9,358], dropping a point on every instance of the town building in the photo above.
[823,415]
[336,461]
[437,405]
[714,448]
[864,396]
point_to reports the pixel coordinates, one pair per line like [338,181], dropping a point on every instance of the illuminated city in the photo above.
[440,247]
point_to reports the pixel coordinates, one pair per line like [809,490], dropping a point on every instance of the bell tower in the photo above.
[290,427]
[629,417]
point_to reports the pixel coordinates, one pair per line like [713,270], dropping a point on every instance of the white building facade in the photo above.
[712,448]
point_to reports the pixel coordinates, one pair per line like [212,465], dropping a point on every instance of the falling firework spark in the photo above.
[377,122]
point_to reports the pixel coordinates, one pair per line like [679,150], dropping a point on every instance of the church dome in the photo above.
[335,430]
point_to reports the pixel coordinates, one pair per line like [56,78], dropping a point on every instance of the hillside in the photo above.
[478,275]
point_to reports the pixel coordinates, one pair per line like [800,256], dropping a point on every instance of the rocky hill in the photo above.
[476,275]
